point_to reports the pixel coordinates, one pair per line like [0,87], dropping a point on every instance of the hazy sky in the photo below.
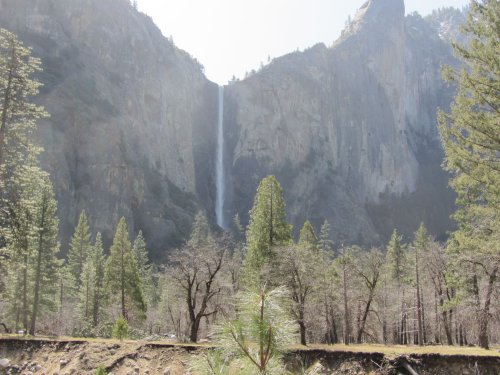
[230,37]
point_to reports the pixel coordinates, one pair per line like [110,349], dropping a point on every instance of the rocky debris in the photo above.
[4,363]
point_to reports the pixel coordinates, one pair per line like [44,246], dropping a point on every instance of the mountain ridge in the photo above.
[133,125]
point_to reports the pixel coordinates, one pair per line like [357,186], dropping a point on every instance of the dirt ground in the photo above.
[84,357]
[75,357]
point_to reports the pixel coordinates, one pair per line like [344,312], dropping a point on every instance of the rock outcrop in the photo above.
[349,130]
[132,120]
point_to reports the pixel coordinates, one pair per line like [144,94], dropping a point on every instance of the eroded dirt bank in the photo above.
[74,357]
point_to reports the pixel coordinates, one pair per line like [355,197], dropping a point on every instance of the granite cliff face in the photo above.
[132,116]
[349,130]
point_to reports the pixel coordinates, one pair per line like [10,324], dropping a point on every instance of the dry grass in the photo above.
[392,351]
[102,340]
[389,351]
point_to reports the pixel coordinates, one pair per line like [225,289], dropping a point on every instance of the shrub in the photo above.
[120,329]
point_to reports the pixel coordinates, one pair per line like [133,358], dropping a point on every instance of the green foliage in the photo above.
[91,295]
[45,248]
[200,233]
[422,239]
[471,139]
[79,248]
[267,228]
[254,343]
[308,236]
[18,147]
[18,115]
[396,258]
[31,242]
[324,242]
[470,134]
[121,329]
[237,229]
[101,370]
[211,362]
[122,275]
[144,268]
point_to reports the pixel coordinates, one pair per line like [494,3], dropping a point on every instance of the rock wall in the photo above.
[132,117]
[349,130]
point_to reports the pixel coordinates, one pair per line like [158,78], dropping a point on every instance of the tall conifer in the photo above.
[122,275]
[267,228]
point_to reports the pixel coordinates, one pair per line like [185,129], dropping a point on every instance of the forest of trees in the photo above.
[410,291]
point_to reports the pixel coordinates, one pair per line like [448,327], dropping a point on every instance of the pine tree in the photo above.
[18,117]
[267,228]
[143,266]
[45,248]
[343,266]
[257,340]
[200,233]
[85,293]
[91,293]
[308,236]
[396,257]
[237,229]
[79,248]
[397,269]
[420,246]
[122,274]
[470,135]
[98,261]
[65,299]
[324,242]
[31,240]
[20,236]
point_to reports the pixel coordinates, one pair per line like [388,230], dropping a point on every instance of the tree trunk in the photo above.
[195,326]
[419,303]
[446,323]
[95,310]
[61,299]
[334,336]
[25,293]
[460,335]
[437,326]
[485,312]
[365,316]
[38,273]
[36,300]
[122,280]
[302,333]
[302,325]
[346,312]
[403,333]
[5,328]
[424,330]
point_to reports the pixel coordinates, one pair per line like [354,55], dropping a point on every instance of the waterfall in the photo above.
[219,171]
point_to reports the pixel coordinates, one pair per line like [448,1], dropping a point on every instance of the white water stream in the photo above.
[219,169]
